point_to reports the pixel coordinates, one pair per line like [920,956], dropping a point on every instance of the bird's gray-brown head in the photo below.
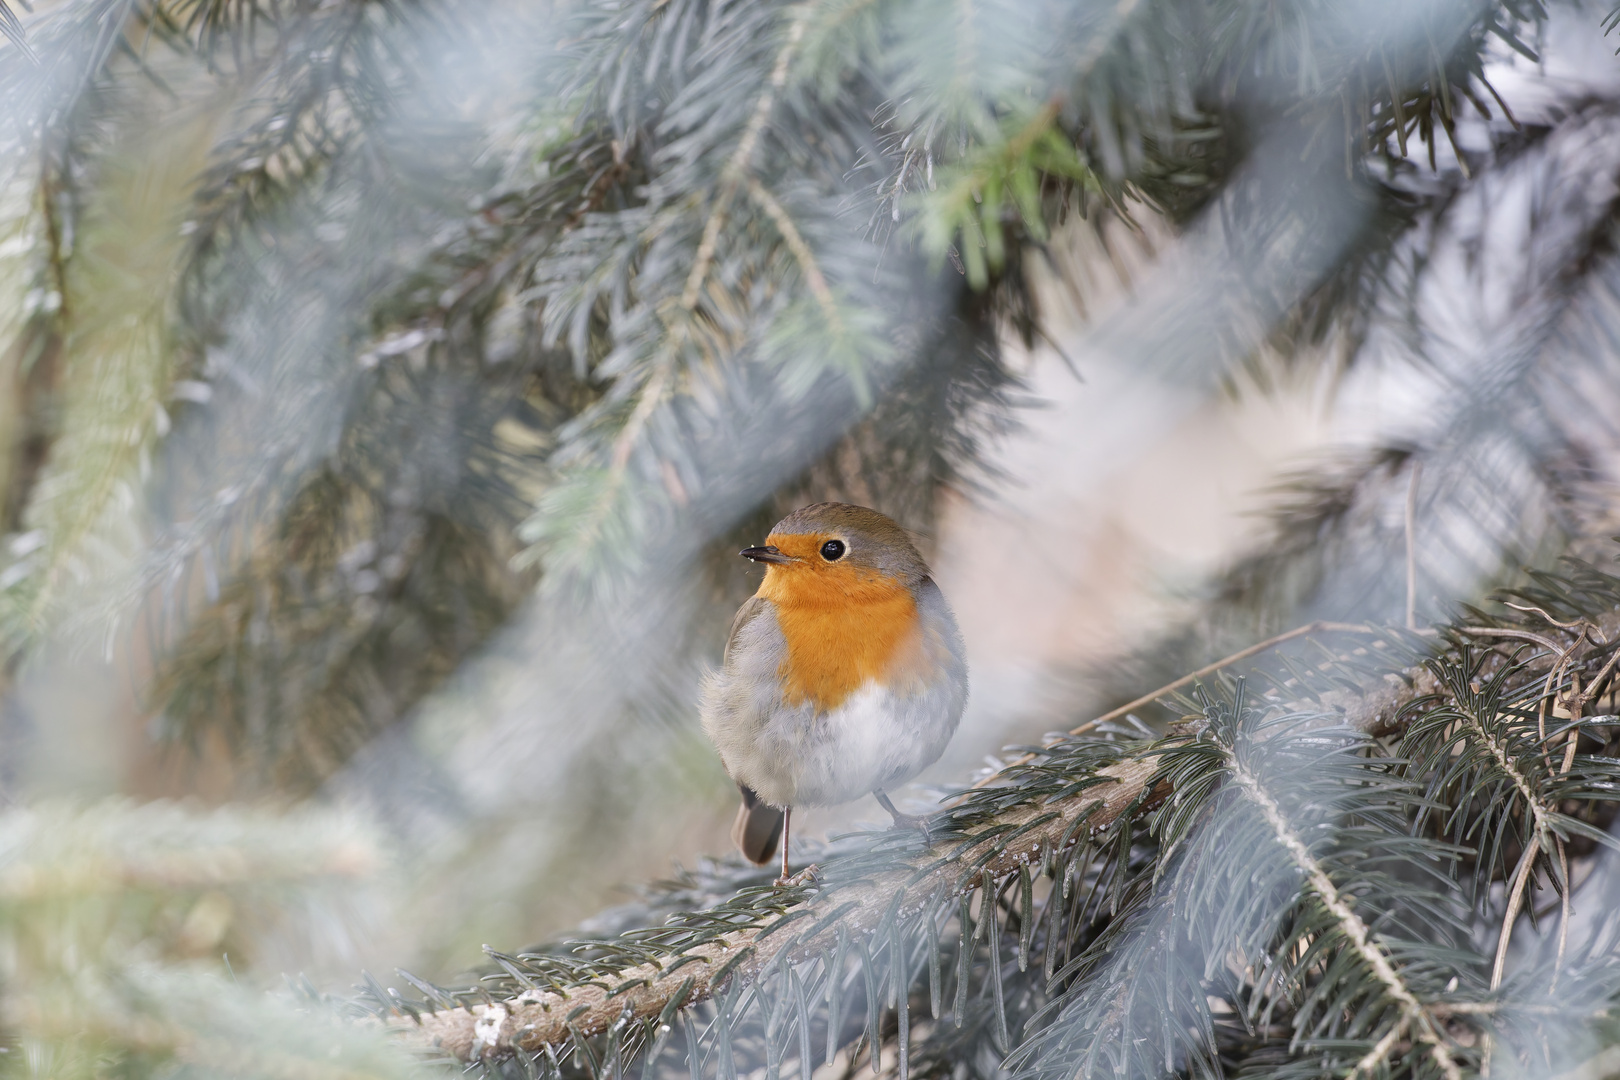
[838,538]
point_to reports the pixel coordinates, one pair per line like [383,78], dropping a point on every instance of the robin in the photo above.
[843,674]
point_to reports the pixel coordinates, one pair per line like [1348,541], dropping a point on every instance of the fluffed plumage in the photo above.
[842,676]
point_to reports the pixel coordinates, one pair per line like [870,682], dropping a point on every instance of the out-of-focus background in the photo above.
[388,387]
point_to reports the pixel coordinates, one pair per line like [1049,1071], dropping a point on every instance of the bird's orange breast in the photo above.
[843,626]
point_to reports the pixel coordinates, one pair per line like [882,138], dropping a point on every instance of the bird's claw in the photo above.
[911,821]
[903,820]
[803,877]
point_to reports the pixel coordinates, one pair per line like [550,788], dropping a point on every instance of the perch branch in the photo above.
[541,1017]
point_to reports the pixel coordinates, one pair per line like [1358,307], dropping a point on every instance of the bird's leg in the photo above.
[901,821]
[787,820]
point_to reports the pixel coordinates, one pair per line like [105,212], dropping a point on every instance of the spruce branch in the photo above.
[1541,807]
[540,1017]
[814,278]
[737,169]
[1480,755]
[732,176]
[1375,957]
[987,846]
[113,919]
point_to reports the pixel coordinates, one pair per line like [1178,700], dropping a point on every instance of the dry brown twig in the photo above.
[1574,703]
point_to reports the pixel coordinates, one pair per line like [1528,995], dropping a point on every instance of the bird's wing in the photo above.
[757,829]
[752,609]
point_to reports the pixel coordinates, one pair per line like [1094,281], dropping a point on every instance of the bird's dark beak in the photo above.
[767,554]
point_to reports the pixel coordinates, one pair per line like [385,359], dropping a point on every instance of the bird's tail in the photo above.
[757,829]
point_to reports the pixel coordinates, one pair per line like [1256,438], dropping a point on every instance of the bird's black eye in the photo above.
[832,550]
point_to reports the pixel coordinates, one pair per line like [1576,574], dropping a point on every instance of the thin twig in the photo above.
[1515,634]
[1532,609]
[1521,874]
[1569,751]
[1554,677]
[1208,669]
[801,252]
[1603,673]
[1380,1050]
[1577,706]
[1563,913]
[1490,1008]
[1411,544]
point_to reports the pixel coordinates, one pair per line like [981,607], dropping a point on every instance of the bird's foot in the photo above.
[911,821]
[902,821]
[803,877]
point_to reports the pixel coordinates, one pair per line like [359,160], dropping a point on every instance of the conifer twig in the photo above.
[813,277]
[1563,914]
[1318,627]
[544,1017]
[1514,634]
[1540,830]
[1369,1061]
[1411,544]
[1412,1010]
[1521,874]
[731,176]
[1535,609]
